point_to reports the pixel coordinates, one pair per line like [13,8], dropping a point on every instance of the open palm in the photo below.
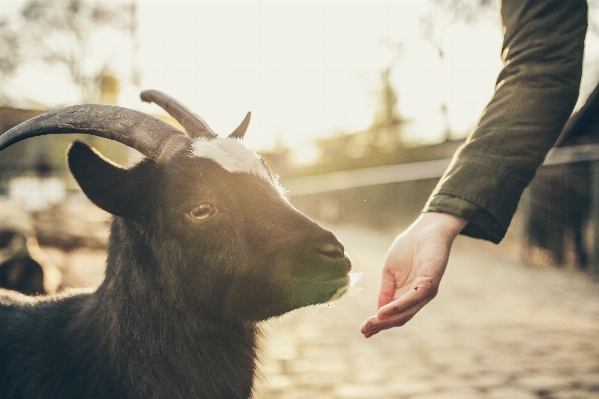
[413,270]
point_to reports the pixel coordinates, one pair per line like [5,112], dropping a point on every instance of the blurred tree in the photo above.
[379,144]
[465,10]
[8,48]
[9,54]
[469,11]
[387,114]
[441,15]
[108,87]
[444,13]
[59,32]
[385,132]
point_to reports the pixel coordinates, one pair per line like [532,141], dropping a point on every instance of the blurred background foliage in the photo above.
[58,33]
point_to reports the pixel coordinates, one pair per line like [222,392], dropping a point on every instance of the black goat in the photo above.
[202,247]
[20,272]
[559,207]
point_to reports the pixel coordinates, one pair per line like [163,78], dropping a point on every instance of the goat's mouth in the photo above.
[314,291]
[340,287]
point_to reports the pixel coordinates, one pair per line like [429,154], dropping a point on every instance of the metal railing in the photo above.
[411,171]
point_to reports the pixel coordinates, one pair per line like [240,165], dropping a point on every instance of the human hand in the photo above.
[413,269]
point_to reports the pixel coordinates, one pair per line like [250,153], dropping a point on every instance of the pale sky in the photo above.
[305,69]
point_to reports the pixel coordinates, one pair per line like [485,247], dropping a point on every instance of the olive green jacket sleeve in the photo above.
[534,96]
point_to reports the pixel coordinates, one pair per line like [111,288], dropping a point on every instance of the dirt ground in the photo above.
[497,329]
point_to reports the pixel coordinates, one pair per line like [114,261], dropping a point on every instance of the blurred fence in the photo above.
[393,196]
[347,179]
[366,177]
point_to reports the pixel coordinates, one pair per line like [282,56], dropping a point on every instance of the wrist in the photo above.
[445,223]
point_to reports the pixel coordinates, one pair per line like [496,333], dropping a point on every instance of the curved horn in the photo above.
[193,124]
[243,126]
[152,137]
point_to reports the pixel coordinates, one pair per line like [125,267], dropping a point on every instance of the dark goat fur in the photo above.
[177,314]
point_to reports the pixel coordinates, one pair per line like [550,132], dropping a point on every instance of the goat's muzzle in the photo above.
[325,274]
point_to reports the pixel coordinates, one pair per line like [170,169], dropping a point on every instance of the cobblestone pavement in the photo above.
[497,329]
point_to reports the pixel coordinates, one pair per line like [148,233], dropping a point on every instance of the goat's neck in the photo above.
[158,341]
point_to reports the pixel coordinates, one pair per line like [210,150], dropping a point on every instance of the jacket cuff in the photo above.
[481,224]
[485,194]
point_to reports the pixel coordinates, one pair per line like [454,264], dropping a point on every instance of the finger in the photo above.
[370,334]
[377,330]
[421,291]
[368,325]
[374,324]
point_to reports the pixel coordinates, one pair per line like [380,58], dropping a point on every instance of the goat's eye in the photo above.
[202,212]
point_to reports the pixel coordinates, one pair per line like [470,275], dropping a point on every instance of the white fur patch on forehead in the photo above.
[231,154]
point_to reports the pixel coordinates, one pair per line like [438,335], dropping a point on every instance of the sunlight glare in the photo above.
[305,69]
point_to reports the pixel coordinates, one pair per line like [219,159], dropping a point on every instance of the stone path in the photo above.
[497,329]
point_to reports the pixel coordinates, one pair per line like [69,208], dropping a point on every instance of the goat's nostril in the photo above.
[331,250]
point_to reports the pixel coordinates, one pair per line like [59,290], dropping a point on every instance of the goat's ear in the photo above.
[109,186]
